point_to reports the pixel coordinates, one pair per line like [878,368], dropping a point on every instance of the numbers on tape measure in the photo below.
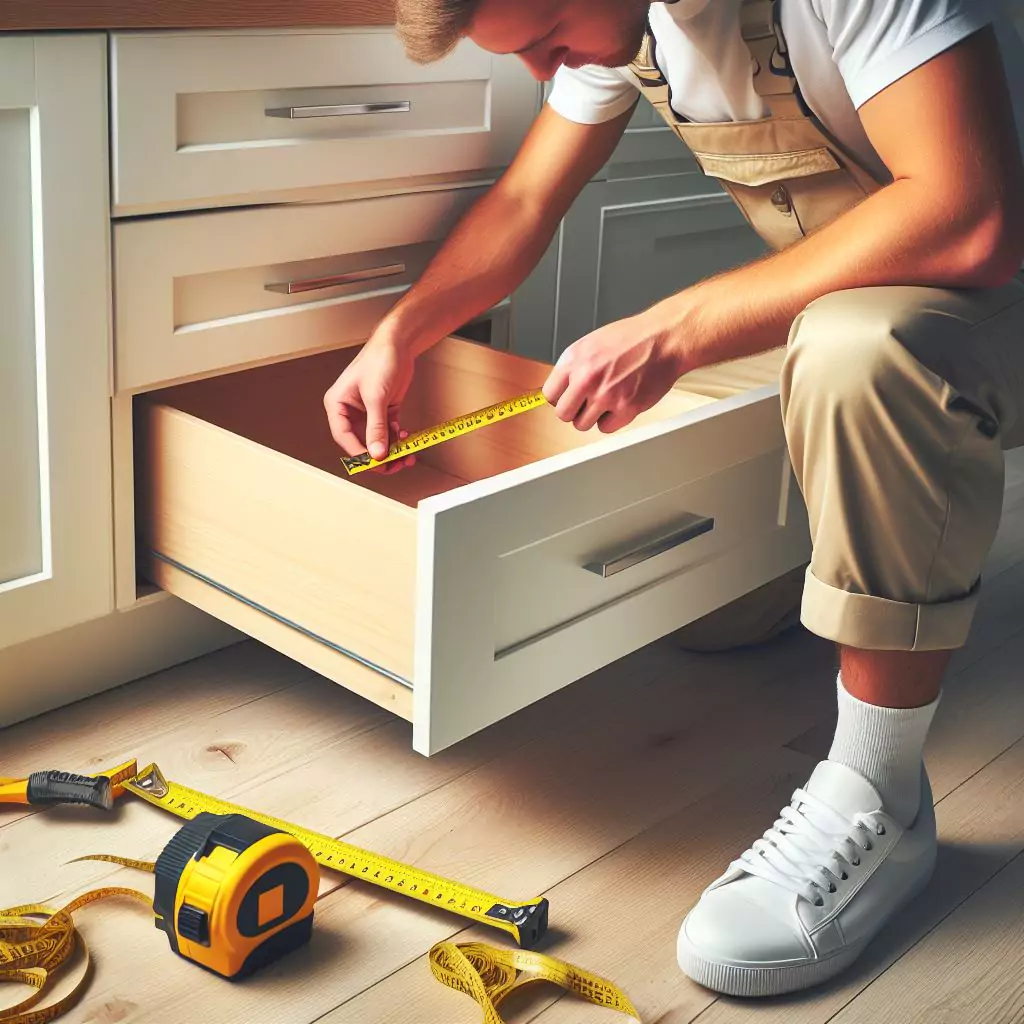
[446,431]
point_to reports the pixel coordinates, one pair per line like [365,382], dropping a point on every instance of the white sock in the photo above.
[886,746]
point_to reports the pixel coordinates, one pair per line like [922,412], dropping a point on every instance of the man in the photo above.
[872,143]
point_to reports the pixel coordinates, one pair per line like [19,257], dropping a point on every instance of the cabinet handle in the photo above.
[692,526]
[313,284]
[341,109]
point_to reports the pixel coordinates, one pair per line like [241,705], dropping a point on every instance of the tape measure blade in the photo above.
[447,431]
[525,922]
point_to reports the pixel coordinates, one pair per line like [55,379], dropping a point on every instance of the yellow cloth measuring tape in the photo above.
[465,424]
[33,953]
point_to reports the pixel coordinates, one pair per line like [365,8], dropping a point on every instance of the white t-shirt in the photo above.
[843,52]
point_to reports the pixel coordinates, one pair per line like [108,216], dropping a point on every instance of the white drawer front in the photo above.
[205,120]
[509,608]
[209,291]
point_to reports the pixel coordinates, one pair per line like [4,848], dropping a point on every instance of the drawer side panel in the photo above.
[306,546]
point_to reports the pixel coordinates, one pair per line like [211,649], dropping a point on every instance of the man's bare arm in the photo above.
[953,216]
[502,238]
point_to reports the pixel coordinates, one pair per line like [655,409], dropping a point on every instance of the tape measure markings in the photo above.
[490,976]
[457,427]
[32,953]
[525,922]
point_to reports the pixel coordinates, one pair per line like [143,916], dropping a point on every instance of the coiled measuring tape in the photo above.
[32,953]
[446,431]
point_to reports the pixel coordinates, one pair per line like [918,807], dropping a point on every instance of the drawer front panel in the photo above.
[212,291]
[208,119]
[553,583]
[508,610]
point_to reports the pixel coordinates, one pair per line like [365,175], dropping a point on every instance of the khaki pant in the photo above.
[897,405]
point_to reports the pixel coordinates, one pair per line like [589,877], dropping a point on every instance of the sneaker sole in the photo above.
[734,980]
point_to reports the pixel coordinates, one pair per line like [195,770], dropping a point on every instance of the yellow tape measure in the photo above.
[446,431]
[490,975]
[32,953]
[525,922]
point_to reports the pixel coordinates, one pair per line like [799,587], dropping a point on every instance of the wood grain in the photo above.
[190,14]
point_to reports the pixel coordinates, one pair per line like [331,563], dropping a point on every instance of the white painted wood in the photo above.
[55,507]
[465,680]
[625,244]
[190,128]
[57,669]
[191,292]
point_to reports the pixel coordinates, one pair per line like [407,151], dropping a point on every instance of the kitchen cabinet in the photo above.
[625,244]
[56,565]
[169,481]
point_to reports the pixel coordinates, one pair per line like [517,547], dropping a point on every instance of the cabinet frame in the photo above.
[60,82]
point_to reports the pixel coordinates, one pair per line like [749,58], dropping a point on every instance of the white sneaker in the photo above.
[802,903]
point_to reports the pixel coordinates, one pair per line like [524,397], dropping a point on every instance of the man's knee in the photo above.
[844,356]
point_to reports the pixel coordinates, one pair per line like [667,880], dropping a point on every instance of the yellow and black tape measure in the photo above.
[446,431]
[525,922]
[235,890]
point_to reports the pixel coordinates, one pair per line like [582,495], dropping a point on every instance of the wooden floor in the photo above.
[619,798]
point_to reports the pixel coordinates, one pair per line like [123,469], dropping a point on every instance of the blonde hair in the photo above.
[430,29]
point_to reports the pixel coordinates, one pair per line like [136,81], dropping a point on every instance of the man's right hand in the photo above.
[363,404]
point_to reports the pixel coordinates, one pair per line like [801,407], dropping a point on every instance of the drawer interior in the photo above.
[280,406]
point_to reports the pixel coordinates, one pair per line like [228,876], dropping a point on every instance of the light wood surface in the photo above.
[620,798]
[72,14]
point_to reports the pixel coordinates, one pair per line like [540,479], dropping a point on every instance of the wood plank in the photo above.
[519,822]
[108,728]
[628,937]
[312,548]
[191,14]
[349,673]
[652,896]
[971,968]
[293,789]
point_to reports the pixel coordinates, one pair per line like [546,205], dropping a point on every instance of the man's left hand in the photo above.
[610,376]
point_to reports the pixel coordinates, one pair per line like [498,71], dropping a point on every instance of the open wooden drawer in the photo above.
[504,565]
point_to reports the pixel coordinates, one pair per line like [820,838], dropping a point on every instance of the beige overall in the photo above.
[897,402]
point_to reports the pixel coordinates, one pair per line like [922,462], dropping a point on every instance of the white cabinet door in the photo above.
[56,562]
[624,245]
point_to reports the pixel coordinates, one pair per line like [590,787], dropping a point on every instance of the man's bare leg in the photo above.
[893,679]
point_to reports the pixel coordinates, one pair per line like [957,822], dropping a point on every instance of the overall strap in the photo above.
[774,80]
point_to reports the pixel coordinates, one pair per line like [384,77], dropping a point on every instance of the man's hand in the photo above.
[366,399]
[611,376]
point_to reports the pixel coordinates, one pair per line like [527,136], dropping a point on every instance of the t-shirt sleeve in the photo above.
[591,94]
[877,42]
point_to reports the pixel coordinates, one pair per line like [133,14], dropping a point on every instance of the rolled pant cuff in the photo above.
[877,624]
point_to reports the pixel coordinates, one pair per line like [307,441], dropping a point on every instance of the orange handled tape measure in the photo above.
[235,889]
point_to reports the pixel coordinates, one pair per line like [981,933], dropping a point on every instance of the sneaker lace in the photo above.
[809,848]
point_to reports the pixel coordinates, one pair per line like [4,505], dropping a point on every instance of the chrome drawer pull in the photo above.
[313,284]
[692,526]
[341,109]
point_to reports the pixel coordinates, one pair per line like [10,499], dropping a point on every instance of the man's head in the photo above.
[544,33]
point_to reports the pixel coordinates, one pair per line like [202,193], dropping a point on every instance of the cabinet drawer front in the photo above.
[211,119]
[205,292]
[684,516]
